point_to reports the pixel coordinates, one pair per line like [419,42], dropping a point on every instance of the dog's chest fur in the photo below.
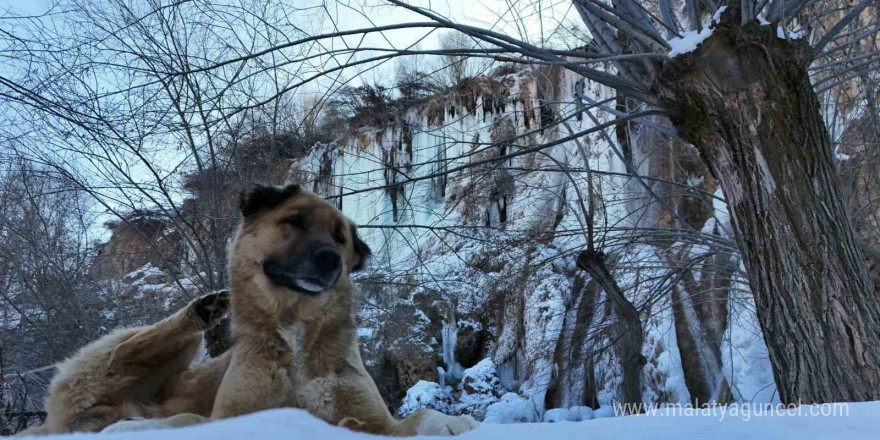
[314,394]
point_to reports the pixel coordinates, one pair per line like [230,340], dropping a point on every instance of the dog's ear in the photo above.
[258,197]
[361,251]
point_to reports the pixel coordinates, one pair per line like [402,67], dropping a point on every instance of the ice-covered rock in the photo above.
[513,408]
[427,395]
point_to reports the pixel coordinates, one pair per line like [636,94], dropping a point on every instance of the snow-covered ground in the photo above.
[852,422]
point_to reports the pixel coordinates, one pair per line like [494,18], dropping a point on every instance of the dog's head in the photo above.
[303,243]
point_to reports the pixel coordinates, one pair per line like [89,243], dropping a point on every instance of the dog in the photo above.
[293,327]
[119,375]
[293,319]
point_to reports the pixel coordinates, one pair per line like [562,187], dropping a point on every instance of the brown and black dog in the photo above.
[293,319]
[293,326]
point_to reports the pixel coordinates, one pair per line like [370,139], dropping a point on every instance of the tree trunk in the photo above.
[628,335]
[699,309]
[744,99]
[574,353]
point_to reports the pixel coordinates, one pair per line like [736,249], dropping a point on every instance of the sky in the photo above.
[495,14]
[514,17]
[530,20]
[23,6]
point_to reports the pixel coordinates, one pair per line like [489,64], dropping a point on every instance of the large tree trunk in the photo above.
[744,99]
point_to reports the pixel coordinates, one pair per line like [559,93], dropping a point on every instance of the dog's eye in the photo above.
[339,233]
[296,220]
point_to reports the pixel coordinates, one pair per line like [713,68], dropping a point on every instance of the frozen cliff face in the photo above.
[475,232]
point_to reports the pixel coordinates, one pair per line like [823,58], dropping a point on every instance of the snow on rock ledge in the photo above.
[513,408]
[425,394]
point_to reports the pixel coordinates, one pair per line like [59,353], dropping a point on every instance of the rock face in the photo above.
[478,390]
[402,351]
[859,166]
[143,238]
[481,264]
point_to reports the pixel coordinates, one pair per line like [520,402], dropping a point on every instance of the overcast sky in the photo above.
[496,14]
[515,17]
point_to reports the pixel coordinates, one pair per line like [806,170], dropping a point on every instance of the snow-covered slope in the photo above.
[854,422]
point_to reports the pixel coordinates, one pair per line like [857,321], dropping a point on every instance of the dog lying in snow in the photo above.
[293,328]
[121,374]
[293,319]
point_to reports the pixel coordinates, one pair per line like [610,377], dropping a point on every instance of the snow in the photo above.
[855,421]
[556,415]
[425,394]
[689,40]
[513,408]
[481,378]
[792,35]
[573,414]
[604,412]
[580,413]
[143,272]
[480,387]
[694,181]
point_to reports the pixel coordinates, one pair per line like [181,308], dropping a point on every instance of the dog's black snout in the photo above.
[327,259]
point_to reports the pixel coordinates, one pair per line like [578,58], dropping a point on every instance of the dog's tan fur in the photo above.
[291,349]
[118,375]
[193,390]
[297,350]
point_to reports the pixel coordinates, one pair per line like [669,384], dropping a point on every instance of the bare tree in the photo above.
[776,171]
[455,65]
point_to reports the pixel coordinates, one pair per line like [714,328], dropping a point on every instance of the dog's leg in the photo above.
[357,402]
[95,419]
[193,390]
[251,383]
[360,407]
[34,431]
[175,332]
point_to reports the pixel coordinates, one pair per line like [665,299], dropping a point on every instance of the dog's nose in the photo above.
[327,259]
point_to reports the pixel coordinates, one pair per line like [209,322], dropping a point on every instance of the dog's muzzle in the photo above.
[312,275]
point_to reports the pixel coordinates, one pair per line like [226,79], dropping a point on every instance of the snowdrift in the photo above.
[854,422]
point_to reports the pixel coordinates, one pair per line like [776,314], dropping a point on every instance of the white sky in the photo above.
[494,14]
[517,18]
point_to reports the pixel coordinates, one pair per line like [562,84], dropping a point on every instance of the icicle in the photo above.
[450,334]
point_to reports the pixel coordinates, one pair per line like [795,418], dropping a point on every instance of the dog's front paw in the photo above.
[317,397]
[436,423]
[209,309]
